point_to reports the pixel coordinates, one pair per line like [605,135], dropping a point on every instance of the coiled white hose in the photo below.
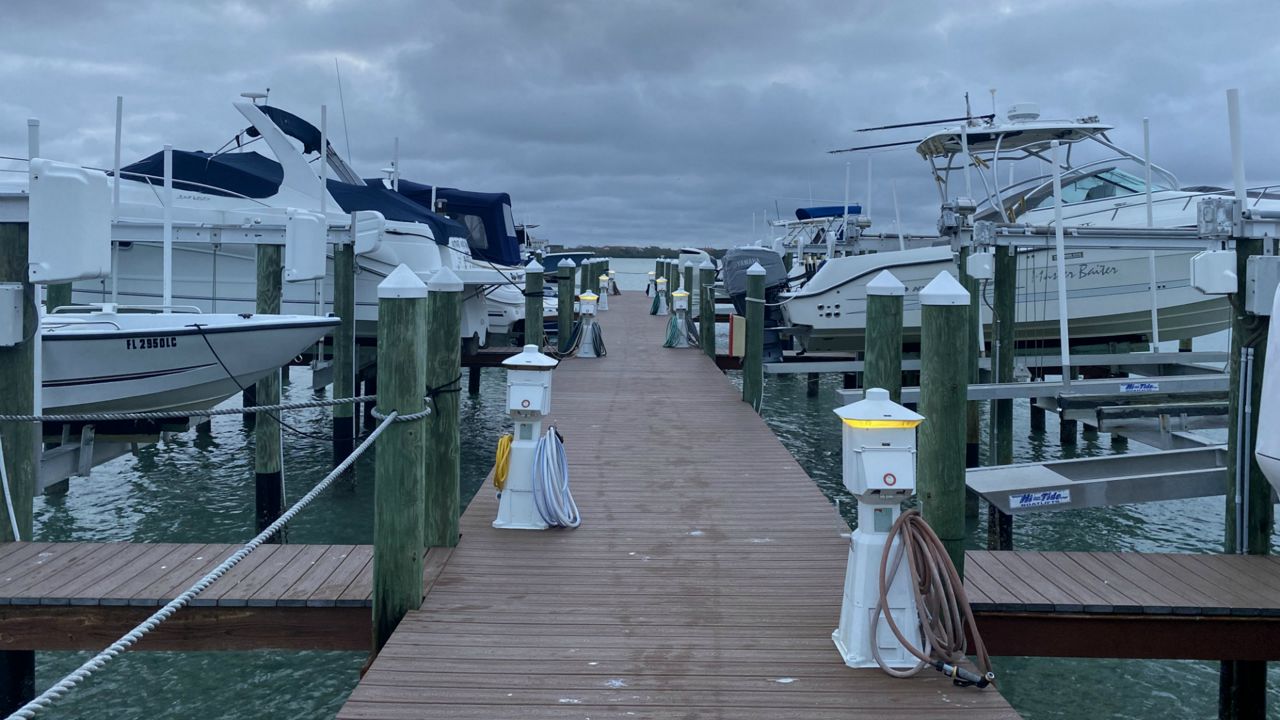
[551,493]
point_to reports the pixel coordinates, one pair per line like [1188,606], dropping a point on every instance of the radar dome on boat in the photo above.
[1024,112]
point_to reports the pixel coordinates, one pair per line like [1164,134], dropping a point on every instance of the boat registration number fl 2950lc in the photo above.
[151,343]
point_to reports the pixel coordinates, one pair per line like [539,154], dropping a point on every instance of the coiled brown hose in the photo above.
[941,604]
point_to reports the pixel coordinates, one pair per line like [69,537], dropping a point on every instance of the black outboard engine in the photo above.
[734,273]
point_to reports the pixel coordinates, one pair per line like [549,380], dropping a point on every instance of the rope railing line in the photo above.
[170,414]
[92,665]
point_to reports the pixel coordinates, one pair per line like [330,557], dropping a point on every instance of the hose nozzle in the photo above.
[961,677]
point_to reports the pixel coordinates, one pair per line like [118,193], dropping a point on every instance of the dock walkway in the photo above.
[704,582]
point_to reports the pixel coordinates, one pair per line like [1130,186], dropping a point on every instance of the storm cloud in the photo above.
[666,122]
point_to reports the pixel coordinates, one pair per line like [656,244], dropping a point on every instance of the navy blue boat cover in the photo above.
[494,239]
[826,212]
[250,175]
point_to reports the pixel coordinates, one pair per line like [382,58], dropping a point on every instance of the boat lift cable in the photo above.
[942,606]
[95,663]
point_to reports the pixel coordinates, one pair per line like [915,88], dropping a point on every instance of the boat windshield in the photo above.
[1100,185]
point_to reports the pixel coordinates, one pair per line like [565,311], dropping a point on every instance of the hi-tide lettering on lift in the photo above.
[1044,498]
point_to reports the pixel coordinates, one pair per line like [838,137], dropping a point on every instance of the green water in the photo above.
[200,489]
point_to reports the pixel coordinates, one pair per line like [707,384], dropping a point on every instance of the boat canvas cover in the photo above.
[828,211]
[239,174]
[291,125]
[494,239]
[738,260]
[395,207]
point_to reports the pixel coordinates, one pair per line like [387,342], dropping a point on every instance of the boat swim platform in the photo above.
[82,596]
[1171,363]
[705,581]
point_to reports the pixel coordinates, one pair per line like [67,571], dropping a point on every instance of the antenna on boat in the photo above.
[993,101]
[342,103]
[254,96]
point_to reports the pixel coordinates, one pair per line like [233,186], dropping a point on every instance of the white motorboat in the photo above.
[130,359]
[243,187]
[1108,290]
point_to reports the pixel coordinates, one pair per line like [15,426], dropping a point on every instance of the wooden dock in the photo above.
[1127,605]
[82,596]
[705,580]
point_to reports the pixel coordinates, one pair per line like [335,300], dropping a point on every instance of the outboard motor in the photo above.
[734,273]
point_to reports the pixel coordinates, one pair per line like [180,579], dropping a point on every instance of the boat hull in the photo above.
[99,368]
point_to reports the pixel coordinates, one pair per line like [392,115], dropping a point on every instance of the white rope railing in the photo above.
[66,684]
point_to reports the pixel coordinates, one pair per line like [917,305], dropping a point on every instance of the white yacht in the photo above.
[236,185]
[1108,290]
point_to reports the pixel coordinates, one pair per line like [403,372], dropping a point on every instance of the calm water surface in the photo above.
[200,489]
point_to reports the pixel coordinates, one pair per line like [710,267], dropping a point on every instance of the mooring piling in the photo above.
[1004,311]
[707,308]
[753,359]
[400,473]
[585,276]
[564,304]
[444,375]
[943,392]
[533,304]
[688,283]
[885,297]
[21,442]
[344,349]
[268,472]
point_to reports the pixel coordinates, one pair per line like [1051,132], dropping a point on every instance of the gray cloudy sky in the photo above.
[636,122]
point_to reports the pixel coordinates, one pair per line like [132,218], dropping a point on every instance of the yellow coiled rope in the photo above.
[501,460]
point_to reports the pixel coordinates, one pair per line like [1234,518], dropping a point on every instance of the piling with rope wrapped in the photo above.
[400,475]
[707,308]
[753,359]
[564,304]
[344,348]
[442,495]
[267,447]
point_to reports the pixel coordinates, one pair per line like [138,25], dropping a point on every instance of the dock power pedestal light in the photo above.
[587,304]
[528,401]
[879,442]
[662,297]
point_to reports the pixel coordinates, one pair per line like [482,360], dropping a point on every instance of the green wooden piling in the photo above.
[444,375]
[57,296]
[400,459]
[885,295]
[753,360]
[972,421]
[1243,685]
[21,444]
[707,308]
[564,304]
[1005,302]
[688,282]
[533,309]
[344,349]
[943,390]
[585,276]
[268,474]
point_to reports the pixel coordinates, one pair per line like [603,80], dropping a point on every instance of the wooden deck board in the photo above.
[705,580]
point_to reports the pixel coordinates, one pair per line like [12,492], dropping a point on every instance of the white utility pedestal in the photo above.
[879,442]
[662,296]
[587,309]
[528,401]
[604,292]
[680,303]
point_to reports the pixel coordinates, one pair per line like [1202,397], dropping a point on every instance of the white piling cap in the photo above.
[886,284]
[707,264]
[534,266]
[755,269]
[402,283]
[567,262]
[445,280]
[529,359]
[944,290]
[877,412]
